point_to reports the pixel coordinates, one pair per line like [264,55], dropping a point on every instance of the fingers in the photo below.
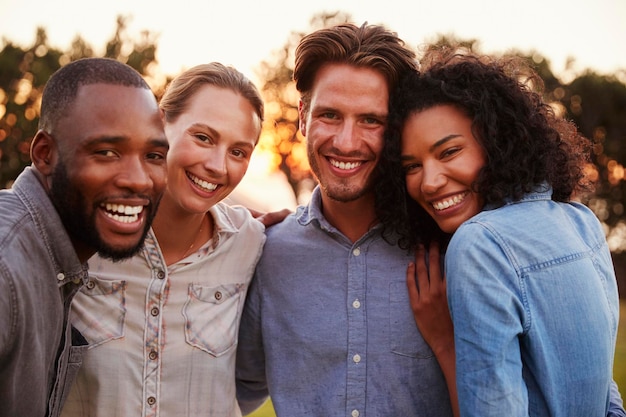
[255,213]
[271,218]
[423,275]
[437,278]
[412,284]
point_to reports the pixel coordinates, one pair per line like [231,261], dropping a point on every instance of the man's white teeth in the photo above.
[123,213]
[444,204]
[344,165]
[208,186]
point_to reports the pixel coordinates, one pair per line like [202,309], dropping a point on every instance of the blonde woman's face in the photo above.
[210,147]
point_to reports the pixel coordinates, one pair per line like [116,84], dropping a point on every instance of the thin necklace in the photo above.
[195,238]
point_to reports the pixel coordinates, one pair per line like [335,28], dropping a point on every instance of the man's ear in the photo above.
[302,116]
[162,115]
[43,152]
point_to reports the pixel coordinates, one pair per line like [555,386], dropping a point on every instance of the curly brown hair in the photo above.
[526,144]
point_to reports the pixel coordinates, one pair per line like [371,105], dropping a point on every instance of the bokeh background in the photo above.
[578,46]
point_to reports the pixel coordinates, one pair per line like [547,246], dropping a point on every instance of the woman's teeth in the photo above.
[449,202]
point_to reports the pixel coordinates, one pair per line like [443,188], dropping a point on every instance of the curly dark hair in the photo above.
[525,143]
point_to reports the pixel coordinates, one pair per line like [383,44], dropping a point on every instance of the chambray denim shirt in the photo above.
[39,275]
[534,301]
[328,327]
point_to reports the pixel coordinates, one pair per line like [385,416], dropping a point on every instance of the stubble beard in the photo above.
[340,190]
[80,222]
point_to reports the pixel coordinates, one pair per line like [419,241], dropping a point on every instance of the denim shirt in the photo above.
[534,301]
[39,275]
[328,327]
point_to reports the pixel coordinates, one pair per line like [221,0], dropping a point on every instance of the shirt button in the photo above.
[355,413]
[218,295]
[356,252]
[60,276]
[160,274]
[90,285]
[151,400]
[154,311]
[356,304]
[153,355]
[356,358]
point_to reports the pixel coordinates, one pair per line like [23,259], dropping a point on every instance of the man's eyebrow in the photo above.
[159,142]
[105,139]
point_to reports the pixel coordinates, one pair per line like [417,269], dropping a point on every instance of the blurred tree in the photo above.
[597,104]
[23,74]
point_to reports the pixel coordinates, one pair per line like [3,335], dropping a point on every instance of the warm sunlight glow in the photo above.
[591,172]
[616,172]
[617,238]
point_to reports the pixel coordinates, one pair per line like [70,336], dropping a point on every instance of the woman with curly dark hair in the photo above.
[477,158]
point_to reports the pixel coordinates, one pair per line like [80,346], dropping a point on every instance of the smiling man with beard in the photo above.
[98,172]
[327,329]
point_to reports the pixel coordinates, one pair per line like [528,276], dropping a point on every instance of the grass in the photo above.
[619,367]
[266,410]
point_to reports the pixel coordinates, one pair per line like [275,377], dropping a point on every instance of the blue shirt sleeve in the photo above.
[251,383]
[616,406]
[488,317]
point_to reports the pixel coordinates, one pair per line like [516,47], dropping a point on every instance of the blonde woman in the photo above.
[162,327]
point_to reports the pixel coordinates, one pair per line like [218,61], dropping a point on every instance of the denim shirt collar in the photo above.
[313,210]
[541,191]
[51,230]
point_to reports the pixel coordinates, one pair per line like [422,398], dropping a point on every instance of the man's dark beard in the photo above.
[73,210]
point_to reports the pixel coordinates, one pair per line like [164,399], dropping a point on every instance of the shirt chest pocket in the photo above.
[212,316]
[405,338]
[99,310]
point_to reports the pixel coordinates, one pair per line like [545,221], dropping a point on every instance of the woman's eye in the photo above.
[411,168]
[241,153]
[202,137]
[449,152]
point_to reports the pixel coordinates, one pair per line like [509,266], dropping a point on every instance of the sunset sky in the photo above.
[242,33]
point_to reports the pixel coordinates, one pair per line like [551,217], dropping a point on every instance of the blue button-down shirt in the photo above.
[329,323]
[534,301]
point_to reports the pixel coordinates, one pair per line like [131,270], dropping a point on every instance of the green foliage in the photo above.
[597,104]
[266,410]
[23,74]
